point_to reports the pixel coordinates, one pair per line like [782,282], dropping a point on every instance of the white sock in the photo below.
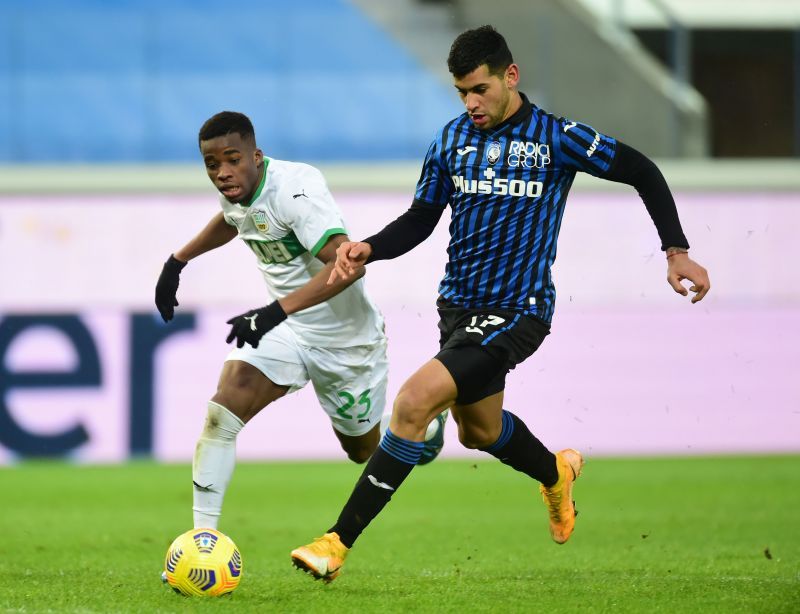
[214,459]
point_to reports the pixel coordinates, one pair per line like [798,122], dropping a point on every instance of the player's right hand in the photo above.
[350,256]
[680,267]
[167,287]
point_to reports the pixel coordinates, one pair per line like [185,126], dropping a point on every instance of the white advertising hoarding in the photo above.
[88,371]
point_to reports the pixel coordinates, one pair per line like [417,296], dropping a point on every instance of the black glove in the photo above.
[251,326]
[167,287]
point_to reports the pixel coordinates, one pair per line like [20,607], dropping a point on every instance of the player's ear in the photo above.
[259,156]
[512,76]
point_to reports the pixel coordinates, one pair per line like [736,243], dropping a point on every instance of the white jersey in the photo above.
[289,219]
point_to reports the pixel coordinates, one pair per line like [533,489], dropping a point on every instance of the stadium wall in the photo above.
[87,371]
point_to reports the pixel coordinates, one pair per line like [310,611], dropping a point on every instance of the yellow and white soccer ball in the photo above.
[203,562]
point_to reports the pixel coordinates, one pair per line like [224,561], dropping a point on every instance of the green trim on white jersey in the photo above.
[260,185]
[279,251]
[328,234]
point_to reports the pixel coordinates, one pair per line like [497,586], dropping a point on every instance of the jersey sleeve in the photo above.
[435,185]
[582,148]
[311,210]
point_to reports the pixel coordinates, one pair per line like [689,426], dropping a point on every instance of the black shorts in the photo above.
[480,346]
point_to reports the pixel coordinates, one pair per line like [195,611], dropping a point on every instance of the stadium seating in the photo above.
[132,81]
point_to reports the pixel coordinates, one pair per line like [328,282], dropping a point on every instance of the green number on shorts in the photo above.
[350,400]
[364,400]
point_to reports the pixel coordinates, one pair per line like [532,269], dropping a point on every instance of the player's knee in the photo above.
[237,390]
[475,438]
[238,378]
[411,409]
[221,425]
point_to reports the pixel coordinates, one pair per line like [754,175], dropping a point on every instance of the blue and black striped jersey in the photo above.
[507,188]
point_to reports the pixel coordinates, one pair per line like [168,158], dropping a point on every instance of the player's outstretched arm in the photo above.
[680,267]
[397,238]
[319,289]
[634,168]
[216,233]
[251,326]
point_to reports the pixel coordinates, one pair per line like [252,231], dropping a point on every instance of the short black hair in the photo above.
[227,122]
[477,47]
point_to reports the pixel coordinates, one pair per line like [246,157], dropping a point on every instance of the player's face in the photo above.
[233,164]
[489,98]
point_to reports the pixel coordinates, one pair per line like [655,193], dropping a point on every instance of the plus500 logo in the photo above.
[499,186]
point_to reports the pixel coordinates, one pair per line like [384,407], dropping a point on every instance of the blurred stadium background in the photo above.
[100,181]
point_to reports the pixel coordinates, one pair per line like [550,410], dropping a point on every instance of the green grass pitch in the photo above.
[718,534]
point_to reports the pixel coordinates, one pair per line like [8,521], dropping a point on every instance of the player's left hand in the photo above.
[249,327]
[680,267]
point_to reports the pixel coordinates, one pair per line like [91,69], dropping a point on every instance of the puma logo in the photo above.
[252,321]
[302,193]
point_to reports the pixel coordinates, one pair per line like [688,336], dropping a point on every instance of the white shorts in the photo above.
[350,382]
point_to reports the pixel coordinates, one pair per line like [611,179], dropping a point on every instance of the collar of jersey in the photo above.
[260,185]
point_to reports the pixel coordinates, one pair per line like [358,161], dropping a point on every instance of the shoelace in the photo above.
[319,543]
[323,545]
[553,503]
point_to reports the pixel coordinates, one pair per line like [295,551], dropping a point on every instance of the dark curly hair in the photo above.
[227,122]
[473,48]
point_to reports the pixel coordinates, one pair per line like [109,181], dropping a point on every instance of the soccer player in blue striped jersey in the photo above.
[504,167]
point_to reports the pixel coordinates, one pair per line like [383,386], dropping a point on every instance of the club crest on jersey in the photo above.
[260,219]
[493,152]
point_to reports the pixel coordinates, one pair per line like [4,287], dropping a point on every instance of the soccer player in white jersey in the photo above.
[332,335]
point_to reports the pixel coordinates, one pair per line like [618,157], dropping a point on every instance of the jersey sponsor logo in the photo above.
[260,220]
[569,126]
[593,146]
[528,155]
[465,150]
[493,152]
[278,251]
[498,185]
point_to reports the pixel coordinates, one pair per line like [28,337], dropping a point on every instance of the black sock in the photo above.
[388,466]
[518,448]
